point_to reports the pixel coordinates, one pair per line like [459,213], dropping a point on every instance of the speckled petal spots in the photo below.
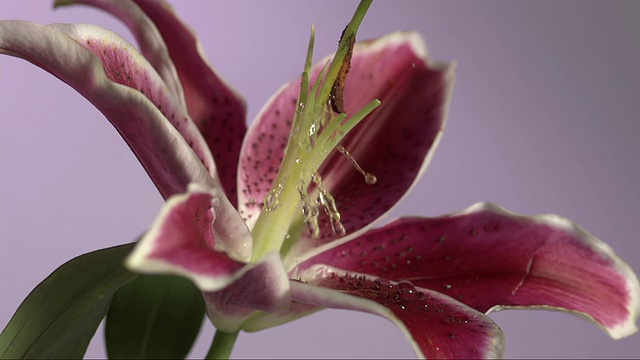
[218,111]
[152,46]
[489,258]
[63,51]
[394,143]
[263,151]
[436,325]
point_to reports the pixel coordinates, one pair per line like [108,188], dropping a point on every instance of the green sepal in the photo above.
[60,316]
[154,317]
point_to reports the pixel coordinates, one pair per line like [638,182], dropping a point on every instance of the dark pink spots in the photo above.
[441,327]
[488,257]
[125,67]
[218,112]
[264,150]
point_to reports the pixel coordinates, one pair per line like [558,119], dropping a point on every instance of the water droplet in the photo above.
[406,286]
[313,135]
[272,200]
[298,161]
[447,286]
[329,204]
[337,227]
[310,215]
[370,178]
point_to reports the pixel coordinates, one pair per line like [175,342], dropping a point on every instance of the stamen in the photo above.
[329,204]
[315,132]
[368,177]
[310,213]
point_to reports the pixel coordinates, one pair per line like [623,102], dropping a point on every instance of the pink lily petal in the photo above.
[200,236]
[136,109]
[490,259]
[436,325]
[149,39]
[164,40]
[198,233]
[264,286]
[218,110]
[395,143]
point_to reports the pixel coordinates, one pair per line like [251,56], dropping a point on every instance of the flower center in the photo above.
[319,126]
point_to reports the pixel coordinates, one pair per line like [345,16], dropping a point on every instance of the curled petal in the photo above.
[199,235]
[123,86]
[394,143]
[151,44]
[264,286]
[217,110]
[436,325]
[489,258]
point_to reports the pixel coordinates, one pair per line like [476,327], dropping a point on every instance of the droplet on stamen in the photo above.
[329,204]
[369,178]
[313,135]
[272,200]
[310,215]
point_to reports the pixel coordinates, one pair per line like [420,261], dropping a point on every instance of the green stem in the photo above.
[222,345]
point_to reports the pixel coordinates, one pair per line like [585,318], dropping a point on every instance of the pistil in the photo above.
[315,132]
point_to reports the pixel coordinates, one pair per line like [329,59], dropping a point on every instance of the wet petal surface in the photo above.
[436,325]
[485,257]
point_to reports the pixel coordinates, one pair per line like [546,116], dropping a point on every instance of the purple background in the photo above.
[544,119]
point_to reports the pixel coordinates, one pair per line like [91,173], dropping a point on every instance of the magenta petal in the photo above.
[263,150]
[136,110]
[263,286]
[189,238]
[490,258]
[218,111]
[395,143]
[436,325]
[149,39]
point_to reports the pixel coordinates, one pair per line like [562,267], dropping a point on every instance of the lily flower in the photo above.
[276,222]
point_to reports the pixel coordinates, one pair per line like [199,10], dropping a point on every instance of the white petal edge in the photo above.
[324,297]
[139,260]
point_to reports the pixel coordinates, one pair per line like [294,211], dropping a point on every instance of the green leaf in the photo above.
[61,315]
[155,317]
